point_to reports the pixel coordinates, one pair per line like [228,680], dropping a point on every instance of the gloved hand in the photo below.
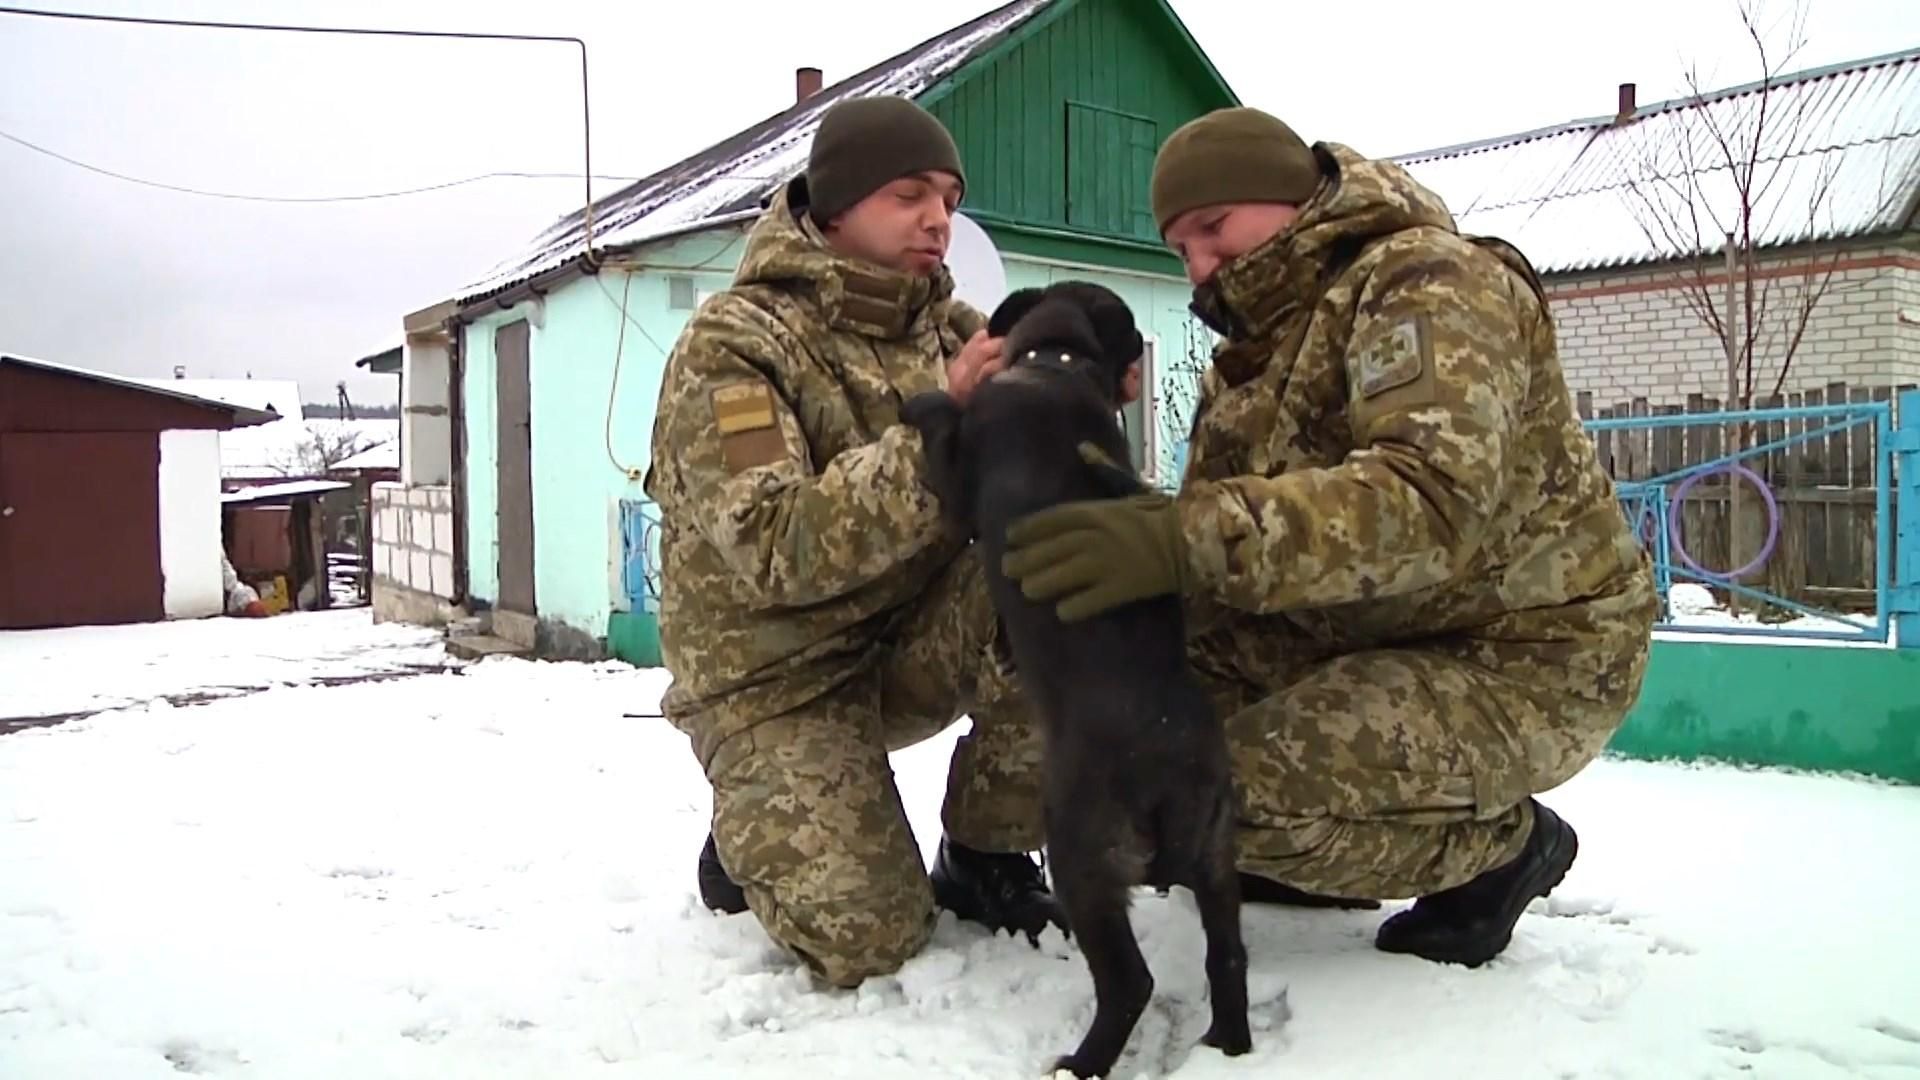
[1095,555]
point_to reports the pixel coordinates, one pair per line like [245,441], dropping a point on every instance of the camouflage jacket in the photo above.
[1385,448]
[795,522]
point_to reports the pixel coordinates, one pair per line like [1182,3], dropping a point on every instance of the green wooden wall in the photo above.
[1059,127]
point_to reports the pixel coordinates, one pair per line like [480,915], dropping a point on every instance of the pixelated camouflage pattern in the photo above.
[776,582]
[813,612]
[806,814]
[1386,457]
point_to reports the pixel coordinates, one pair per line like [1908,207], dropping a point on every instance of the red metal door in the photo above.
[79,528]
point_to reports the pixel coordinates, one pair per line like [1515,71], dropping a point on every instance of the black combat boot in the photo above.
[717,890]
[1471,924]
[998,890]
[1255,889]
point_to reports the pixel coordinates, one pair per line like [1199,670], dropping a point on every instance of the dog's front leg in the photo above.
[936,416]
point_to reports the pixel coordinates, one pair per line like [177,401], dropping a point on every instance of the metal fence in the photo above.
[640,554]
[1798,520]
[1822,541]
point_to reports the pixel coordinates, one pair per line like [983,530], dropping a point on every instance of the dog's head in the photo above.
[1076,324]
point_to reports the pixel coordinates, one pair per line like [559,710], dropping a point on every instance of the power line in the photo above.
[586,116]
[243,197]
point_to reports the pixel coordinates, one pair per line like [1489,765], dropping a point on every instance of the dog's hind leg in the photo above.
[1216,891]
[1096,906]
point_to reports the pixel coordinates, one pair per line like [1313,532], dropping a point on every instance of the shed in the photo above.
[109,497]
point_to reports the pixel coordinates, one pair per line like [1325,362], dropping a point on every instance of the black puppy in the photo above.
[1138,789]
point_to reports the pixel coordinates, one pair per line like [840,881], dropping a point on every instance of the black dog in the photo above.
[1138,790]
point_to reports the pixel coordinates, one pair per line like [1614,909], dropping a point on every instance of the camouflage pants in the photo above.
[1397,772]
[806,815]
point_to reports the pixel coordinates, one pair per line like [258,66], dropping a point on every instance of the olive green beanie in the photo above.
[865,143]
[1228,156]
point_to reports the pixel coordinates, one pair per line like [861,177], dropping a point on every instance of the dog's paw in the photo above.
[1235,1040]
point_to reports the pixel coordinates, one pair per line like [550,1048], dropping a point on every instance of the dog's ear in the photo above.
[936,416]
[1119,338]
[1017,304]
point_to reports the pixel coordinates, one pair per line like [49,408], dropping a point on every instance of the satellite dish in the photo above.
[979,277]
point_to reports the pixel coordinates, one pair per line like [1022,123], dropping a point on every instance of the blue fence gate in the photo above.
[1826,541]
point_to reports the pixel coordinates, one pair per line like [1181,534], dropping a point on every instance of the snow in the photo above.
[93,668]
[1697,613]
[488,874]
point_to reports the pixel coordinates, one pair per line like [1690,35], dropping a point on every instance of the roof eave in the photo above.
[469,308]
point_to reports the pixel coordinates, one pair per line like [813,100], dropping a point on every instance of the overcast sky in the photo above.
[100,272]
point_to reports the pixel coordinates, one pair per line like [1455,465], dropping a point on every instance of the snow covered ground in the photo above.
[89,668]
[488,873]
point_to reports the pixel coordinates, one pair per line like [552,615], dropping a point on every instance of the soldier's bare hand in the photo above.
[979,360]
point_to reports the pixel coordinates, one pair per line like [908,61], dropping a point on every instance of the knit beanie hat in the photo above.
[1227,156]
[865,143]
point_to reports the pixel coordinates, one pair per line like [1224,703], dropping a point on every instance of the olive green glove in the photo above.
[1095,555]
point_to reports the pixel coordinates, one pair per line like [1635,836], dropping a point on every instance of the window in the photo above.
[1110,171]
[1140,419]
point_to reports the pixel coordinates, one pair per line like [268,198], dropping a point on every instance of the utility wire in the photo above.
[586,120]
[363,197]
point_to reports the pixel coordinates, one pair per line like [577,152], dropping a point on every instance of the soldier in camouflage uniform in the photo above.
[813,612]
[1414,592]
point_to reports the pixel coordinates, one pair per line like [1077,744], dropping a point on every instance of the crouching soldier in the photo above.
[813,612]
[1415,593]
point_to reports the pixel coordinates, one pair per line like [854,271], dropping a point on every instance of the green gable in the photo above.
[1059,123]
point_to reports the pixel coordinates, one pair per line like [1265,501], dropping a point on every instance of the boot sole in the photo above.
[1541,883]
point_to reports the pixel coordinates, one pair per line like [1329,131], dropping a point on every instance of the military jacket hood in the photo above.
[1359,201]
[787,251]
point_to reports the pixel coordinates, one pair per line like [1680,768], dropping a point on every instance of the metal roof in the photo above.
[1839,157]
[728,181]
[243,416]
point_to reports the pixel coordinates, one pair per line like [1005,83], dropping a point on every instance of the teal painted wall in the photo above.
[577,486]
[1060,129]
[580,454]
[1797,706]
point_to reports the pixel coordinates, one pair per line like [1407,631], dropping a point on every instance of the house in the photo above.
[109,497]
[547,370]
[1624,215]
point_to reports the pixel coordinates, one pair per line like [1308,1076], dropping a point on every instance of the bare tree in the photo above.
[1176,396]
[324,446]
[1723,174]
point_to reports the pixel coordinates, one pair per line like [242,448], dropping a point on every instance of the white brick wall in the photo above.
[413,539]
[1624,336]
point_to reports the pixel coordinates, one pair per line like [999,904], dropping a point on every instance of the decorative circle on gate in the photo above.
[1675,535]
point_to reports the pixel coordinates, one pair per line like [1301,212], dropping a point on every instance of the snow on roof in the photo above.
[276,395]
[289,490]
[384,456]
[1840,144]
[292,447]
[244,413]
[728,180]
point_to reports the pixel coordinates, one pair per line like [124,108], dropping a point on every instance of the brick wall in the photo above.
[412,553]
[1632,335]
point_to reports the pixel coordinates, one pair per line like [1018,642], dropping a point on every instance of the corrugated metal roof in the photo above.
[728,180]
[243,415]
[1839,156]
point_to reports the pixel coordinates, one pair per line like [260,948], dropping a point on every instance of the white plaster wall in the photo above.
[190,523]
